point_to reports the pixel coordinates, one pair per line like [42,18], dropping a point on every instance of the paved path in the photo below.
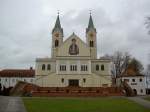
[140,101]
[11,104]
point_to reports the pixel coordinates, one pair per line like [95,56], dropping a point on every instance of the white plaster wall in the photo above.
[53,77]
[139,85]
[11,81]
[54,80]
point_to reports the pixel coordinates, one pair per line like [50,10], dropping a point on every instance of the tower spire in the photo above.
[57,24]
[90,25]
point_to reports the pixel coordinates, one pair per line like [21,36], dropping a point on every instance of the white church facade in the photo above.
[73,62]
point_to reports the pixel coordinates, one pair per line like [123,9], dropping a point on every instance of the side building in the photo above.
[136,81]
[147,74]
[10,77]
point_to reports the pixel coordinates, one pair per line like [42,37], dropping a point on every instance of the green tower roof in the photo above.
[91,25]
[57,25]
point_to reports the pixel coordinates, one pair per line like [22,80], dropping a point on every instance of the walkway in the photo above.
[140,101]
[11,104]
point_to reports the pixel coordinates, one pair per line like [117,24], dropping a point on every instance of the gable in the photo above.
[67,49]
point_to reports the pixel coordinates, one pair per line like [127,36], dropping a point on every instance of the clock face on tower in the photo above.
[91,35]
[57,35]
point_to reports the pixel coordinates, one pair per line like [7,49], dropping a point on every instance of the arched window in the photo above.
[97,67]
[84,80]
[140,80]
[133,80]
[43,67]
[91,44]
[56,43]
[102,67]
[48,67]
[62,80]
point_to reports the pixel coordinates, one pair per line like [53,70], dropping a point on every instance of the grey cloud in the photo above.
[25,28]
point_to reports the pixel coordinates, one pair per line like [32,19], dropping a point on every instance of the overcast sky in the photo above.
[25,27]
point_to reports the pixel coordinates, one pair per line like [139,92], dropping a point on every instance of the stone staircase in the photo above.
[27,89]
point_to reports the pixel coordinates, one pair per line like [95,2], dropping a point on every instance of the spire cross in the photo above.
[58,12]
[90,11]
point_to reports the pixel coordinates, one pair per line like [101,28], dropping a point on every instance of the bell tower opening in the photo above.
[56,43]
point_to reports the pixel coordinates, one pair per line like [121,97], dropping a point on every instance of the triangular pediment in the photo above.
[73,47]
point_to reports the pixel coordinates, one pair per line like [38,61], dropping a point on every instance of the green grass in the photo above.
[106,104]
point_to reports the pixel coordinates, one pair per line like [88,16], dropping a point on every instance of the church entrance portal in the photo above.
[74,82]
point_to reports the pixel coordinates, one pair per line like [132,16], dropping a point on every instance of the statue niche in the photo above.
[73,49]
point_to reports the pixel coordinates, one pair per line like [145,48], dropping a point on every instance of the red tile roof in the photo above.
[130,72]
[17,73]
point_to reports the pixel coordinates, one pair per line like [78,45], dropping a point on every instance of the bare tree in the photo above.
[147,23]
[121,61]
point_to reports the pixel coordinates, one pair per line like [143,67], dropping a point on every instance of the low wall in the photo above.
[74,91]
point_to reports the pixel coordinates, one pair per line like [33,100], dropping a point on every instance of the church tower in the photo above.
[57,37]
[91,39]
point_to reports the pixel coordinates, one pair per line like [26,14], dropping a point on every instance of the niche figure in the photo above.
[73,49]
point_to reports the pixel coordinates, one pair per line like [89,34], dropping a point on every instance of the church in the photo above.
[73,62]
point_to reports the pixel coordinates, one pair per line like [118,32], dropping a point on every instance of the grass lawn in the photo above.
[106,104]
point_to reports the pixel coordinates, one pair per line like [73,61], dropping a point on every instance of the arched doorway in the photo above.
[74,82]
[135,91]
